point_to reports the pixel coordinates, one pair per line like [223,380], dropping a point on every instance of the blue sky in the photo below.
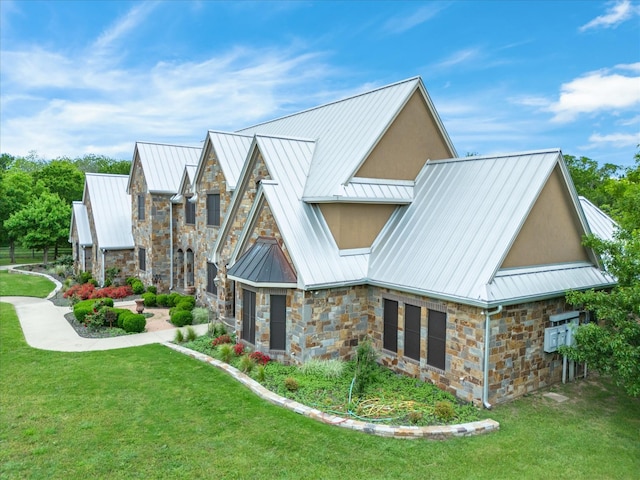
[97,76]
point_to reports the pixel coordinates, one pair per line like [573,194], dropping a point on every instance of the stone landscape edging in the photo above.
[432,432]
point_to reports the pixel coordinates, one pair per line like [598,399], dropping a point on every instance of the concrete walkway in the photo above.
[45,327]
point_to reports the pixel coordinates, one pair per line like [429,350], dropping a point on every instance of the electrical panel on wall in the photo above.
[561,333]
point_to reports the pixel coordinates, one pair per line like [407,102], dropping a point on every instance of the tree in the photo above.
[612,344]
[63,178]
[593,181]
[41,223]
[16,191]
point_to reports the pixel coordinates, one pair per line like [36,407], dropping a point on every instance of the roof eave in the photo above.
[262,284]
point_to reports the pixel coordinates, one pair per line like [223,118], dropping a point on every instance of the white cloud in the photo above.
[617,13]
[403,23]
[600,91]
[123,26]
[461,56]
[616,139]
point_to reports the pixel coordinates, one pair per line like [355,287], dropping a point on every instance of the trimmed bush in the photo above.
[181,318]
[162,300]
[107,301]
[137,287]
[186,303]
[123,316]
[134,323]
[152,289]
[117,312]
[149,299]
[174,298]
[81,312]
[129,281]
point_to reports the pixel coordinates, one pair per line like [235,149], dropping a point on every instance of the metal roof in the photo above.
[601,224]
[163,165]
[370,190]
[516,285]
[309,242]
[345,132]
[264,264]
[111,210]
[466,214]
[81,219]
[231,152]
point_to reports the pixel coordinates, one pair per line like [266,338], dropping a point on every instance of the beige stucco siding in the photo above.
[355,225]
[412,138]
[552,232]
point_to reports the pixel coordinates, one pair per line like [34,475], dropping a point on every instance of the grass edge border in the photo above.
[431,432]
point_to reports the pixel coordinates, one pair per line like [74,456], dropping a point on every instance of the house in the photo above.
[356,219]
[100,232]
[156,172]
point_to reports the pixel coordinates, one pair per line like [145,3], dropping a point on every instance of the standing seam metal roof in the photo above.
[81,219]
[111,208]
[601,224]
[163,165]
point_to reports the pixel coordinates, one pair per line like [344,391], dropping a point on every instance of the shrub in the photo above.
[180,318]
[162,300]
[152,289]
[291,384]
[150,299]
[414,417]
[94,320]
[238,349]
[106,301]
[222,339]
[186,303]
[174,298]
[191,334]
[261,373]
[83,277]
[218,329]
[93,282]
[246,364]
[112,292]
[81,312]
[323,368]
[260,358]
[200,315]
[123,316]
[366,367]
[134,323]
[116,312]
[82,291]
[444,410]
[225,351]
[179,338]
[129,281]
[137,287]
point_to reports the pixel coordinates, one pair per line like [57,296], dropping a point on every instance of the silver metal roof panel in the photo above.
[81,220]
[163,165]
[601,224]
[111,208]
[345,132]
[231,152]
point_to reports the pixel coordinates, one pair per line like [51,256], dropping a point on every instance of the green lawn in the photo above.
[13,284]
[149,412]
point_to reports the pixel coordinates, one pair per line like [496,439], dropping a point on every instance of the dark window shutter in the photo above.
[213,209]
[390,334]
[437,339]
[212,272]
[278,322]
[189,212]
[412,331]
[249,316]
[142,258]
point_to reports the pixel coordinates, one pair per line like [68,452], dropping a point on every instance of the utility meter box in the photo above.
[559,335]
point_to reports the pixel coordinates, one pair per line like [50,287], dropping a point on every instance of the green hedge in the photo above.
[149,299]
[180,318]
[134,323]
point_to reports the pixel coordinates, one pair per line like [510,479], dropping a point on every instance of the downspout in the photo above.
[103,266]
[83,259]
[170,245]
[487,337]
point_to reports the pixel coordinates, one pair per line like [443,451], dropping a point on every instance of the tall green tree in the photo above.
[63,178]
[592,180]
[16,191]
[41,224]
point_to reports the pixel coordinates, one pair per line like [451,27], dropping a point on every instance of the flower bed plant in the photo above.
[328,385]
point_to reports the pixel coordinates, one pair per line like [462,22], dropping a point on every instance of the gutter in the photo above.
[170,246]
[103,266]
[485,373]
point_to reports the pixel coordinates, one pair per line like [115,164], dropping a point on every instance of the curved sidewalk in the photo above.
[45,327]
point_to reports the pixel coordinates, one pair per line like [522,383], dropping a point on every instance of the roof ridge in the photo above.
[167,144]
[472,158]
[96,174]
[331,103]
[285,137]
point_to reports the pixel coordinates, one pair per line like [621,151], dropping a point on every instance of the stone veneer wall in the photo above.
[125,260]
[517,362]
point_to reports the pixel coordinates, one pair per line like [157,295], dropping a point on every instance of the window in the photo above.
[412,331]
[213,209]
[142,259]
[390,334]
[140,207]
[249,316]
[77,251]
[189,212]
[212,272]
[436,339]
[278,322]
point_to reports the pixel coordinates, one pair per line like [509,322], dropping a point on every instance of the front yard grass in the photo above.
[20,285]
[149,412]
